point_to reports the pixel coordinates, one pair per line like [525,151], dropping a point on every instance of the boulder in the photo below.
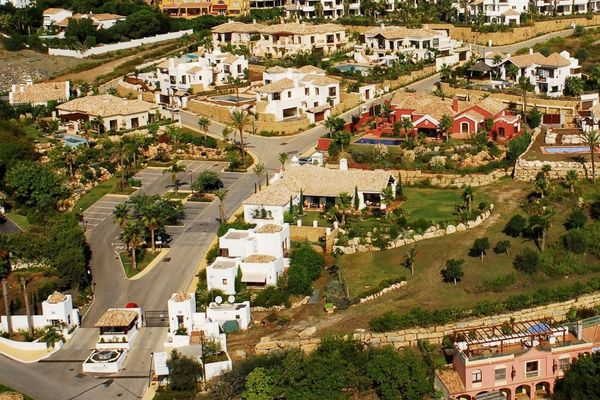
[461,227]
[308,332]
[450,229]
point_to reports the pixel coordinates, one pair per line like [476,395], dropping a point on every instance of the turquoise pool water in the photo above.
[74,140]
[565,149]
[353,68]
[387,142]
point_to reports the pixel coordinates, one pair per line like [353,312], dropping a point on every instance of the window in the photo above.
[317,91]
[564,363]
[276,96]
[224,281]
[289,94]
[112,124]
[476,376]
[500,374]
[464,127]
[135,122]
[531,369]
[306,91]
[332,91]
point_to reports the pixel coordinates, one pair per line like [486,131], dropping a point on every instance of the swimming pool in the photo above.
[231,98]
[191,56]
[387,142]
[353,68]
[74,140]
[565,149]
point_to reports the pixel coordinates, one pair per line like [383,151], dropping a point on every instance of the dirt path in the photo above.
[105,68]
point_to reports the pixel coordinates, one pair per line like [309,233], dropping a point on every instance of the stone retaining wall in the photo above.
[409,337]
[354,245]
[297,304]
[450,180]
[395,286]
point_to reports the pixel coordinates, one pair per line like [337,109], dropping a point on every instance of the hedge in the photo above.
[418,317]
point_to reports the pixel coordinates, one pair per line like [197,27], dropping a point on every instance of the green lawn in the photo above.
[19,219]
[436,205]
[35,134]
[176,196]
[88,199]
[309,216]
[426,289]
[143,258]
[4,389]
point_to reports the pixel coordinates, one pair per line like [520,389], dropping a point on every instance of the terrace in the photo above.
[514,339]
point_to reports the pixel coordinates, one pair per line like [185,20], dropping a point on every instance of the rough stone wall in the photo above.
[287,127]
[255,72]
[450,180]
[410,78]
[409,337]
[354,245]
[219,113]
[347,102]
[527,170]
[548,106]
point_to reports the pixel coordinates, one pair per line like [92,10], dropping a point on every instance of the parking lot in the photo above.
[101,210]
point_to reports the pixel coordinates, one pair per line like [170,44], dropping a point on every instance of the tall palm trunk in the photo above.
[152,229]
[133,258]
[7,306]
[27,307]
[242,145]
[593,162]
[222,212]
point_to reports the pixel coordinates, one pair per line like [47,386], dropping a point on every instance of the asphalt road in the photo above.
[512,48]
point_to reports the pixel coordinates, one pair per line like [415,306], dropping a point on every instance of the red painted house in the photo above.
[469,117]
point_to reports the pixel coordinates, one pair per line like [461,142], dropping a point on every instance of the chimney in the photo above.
[455,104]
[530,50]
[29,82]
[254,20]
[579,330]
[343,164]
[382,26]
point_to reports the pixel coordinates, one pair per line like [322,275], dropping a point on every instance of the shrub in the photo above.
[207,181]
[515,226]
[576,219]
[307,258]
[498,284]
[595,210]
[271,296]
[503,246]
[480,246]
[517,146]
[298,280]
[527,261]
[574,241]
[420,225]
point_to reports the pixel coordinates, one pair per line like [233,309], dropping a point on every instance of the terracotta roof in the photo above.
[480,66]
[492,105]
[231,59]
[116,317]
[52,11]
[595,109]
[318,109]
[40,92]
[277,86]
[320,80]
[106,17]
[194,70]
[181,297]
[451,379]
[553,60]
[106,105]
[296,28]
[269,228]
[11,396]
[319,181]
[238,27]
[276,70]
[310,69]
[400,32]
[474,115]
[511,13]
[259,259]
[425,104]
[56,297]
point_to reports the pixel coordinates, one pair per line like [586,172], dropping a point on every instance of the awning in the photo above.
[254,278]
[160,363]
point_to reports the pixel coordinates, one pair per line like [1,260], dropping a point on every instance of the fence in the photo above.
[107,48]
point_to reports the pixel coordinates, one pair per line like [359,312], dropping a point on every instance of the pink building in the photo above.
[519,360]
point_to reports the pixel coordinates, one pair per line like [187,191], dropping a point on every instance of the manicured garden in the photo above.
[439,205]
[143,259]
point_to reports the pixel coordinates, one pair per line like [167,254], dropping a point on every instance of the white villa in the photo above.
[547,74]
[385,44]
[16,3]
[320,187]
[281,39]
[100,21]
[291,93]
[257,254]
[332,9]
[39,94]
[178,77]
[116,113]
[52,16]
[57,310]
[188,328]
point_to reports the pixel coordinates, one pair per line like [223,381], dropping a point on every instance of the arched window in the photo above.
[476,376]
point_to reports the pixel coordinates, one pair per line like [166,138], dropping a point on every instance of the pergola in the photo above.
[522,332]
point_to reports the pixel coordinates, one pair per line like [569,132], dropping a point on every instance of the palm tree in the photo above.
[467,196]
[541,225]
[240,119]
[174,133]
[133,234]
[318,9]
[71,159]
[407,125]
[512,71]
[387,197]
[52,336]
[174,169]
[594,76]
[151,219]
[236,82]
[571,178]
[330,124]
[120,214]
[592,139]
[259,170]
[5,270]
[98,123]
[221,194]
[526,86]
[23,280]
[445,125]
[344,203]
[283,157]
[203,124]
